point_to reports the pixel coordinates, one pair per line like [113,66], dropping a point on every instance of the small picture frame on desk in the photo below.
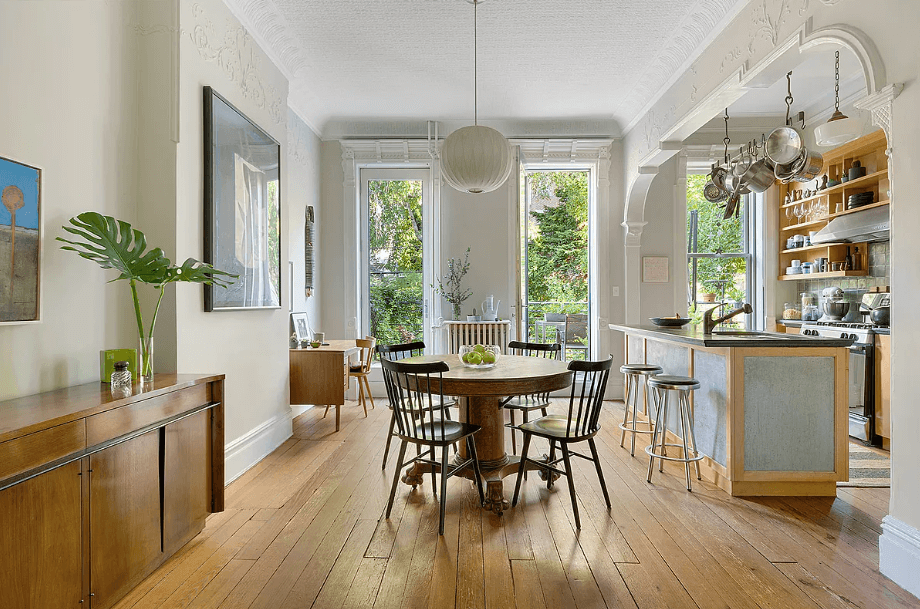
[301,327]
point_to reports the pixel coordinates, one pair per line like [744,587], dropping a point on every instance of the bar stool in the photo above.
[635,374]
[662,385]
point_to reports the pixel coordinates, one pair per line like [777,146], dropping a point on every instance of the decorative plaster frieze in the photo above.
[879,105]
[633,233]
[298,136]
[239,58]
[387,151]
[147,30]
[263,19]
[563,150]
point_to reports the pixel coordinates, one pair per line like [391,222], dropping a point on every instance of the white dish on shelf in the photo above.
[793,270]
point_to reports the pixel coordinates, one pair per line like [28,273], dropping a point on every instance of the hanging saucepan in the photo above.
[717,175]
[731,181]
[787,172]
[784,146]
[811,166]
[759,177]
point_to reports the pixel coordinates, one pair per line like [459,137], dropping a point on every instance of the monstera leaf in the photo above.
[113,244]
[195,271]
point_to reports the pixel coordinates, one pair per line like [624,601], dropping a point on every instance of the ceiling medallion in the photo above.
[476,159]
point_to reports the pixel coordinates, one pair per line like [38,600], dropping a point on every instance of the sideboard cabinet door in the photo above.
[186,479]
[125,529]
[41,541]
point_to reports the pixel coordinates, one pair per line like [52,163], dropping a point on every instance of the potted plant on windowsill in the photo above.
[451,288]
[113,244]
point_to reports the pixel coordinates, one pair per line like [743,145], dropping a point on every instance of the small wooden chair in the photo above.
[362,369]
[527,403]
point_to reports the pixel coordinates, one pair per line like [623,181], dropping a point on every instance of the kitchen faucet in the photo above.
[709,323]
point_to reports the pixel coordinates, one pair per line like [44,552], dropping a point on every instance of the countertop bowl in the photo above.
[492,352]
[836,309]
[670,322]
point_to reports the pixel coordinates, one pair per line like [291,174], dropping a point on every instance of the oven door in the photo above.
[861,419]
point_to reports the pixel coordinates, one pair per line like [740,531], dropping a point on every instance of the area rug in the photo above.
[868,468]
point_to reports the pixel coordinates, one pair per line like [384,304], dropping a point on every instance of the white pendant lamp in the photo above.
[476,159]
[839,129]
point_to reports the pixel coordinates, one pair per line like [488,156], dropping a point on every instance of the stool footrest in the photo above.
[628,427]
[649,450]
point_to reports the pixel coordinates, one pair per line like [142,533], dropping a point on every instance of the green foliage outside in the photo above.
[395,236]
[715,235]
[557,253]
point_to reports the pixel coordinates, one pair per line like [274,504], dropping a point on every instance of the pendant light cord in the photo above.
[475,65]
[837,82]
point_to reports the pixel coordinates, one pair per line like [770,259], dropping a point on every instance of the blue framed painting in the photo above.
[20,242]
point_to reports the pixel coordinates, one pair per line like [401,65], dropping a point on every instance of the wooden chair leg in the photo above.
[471,446]
[600,472]
[571,481]
[361,396]
[367,386]
[386,451]
[325,412]
[399,463]
[552,457]
[513,441]
[520,476]
[444,453]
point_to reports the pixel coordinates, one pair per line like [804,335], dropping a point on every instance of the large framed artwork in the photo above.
[242,199]
[20,242]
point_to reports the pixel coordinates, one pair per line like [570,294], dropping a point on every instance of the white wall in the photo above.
[331,231]
[657,299]
[250,347]
[69,107]
[303,189]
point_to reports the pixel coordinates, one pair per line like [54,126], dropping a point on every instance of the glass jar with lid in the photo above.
[809,299]
[792,310]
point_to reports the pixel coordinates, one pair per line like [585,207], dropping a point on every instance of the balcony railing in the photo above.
[541,331]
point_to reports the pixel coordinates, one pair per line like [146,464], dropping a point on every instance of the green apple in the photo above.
[488,357]
[475,358]
[479,349]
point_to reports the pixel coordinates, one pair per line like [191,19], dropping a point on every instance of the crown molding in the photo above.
[523,129]
[271,31]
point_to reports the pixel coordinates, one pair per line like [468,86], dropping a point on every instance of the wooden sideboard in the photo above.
[98,490]
[320,376]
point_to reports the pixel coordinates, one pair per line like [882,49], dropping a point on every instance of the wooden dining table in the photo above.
[480,392]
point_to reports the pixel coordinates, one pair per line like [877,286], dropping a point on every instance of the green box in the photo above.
[108,358]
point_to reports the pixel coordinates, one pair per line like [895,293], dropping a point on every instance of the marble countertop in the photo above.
[730,338]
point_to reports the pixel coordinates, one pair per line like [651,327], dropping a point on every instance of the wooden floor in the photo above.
[303,528]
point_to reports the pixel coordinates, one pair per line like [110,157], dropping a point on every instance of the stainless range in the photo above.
[862,372]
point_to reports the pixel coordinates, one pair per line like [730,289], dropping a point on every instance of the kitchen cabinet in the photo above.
[883,388]
[869,150]
[97,490]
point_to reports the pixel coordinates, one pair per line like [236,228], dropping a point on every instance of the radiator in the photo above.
[473,332]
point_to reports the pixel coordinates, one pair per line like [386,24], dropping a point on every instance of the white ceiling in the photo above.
[605,60]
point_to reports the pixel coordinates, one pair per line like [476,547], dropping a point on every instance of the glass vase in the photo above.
[456,311]
[145,360]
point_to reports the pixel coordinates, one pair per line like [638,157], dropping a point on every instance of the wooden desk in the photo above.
[320,376]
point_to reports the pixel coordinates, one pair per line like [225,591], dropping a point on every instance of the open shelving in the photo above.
[869,150]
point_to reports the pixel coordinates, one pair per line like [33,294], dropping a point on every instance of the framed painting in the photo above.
[242,202]
[20,242]
[301,324]
[655,269]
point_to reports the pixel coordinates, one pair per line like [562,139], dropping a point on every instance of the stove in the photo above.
[862,367]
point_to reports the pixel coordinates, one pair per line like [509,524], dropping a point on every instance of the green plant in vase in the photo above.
[113,244]
[451,288]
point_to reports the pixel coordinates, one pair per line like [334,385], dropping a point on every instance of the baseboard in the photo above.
[899,554]
[258,443]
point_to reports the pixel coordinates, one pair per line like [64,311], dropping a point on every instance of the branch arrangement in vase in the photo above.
[113,244]
[451,288]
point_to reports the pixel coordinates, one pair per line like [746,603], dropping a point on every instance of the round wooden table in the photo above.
[481,393]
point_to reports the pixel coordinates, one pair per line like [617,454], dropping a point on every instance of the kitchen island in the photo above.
[770,415]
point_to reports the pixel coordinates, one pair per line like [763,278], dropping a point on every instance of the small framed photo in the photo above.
[301,326]
[655,269]
[20,242]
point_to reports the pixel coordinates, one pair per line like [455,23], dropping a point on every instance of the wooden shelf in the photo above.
[857,183]
[828,275]
[863,208]
[804,224]
[811,248]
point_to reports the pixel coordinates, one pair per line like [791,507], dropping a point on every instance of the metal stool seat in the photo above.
[662,386]
[635,373]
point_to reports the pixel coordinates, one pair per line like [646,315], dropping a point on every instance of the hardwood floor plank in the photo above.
[527,591]
[471,583]
[393,585]
[812,586]
[496,565]
[221,586]
[366,585]
[335,587]
[418,581]
[445,568]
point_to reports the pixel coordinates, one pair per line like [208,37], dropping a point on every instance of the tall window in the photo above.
[555,259]
[719,252]
[394,256]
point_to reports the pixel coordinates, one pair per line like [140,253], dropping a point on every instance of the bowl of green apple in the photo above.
[479,356]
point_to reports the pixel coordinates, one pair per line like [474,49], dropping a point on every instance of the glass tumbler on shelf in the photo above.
[121,378]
